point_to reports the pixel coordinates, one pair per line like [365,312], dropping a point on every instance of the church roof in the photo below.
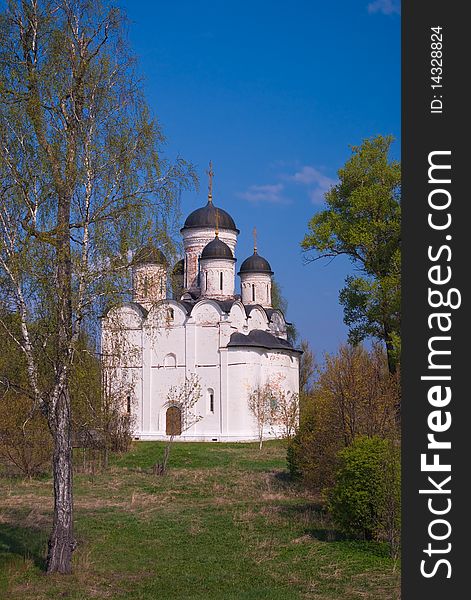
[217,249]
[255,264]
[149,254]
[210,217]
[260,339]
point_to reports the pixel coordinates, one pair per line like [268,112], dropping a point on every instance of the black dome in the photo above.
[149,254]
[217,249]
[206,217]
[255,264]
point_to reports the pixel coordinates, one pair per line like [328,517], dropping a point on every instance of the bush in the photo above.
[25,441]
[312,453]
[365,500]
[355,395]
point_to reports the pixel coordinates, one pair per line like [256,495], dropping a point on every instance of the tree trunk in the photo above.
[392,367]
[61,543]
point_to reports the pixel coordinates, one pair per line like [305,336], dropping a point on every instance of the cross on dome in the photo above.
[210,174]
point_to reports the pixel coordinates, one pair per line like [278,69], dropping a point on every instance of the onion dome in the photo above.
[217,249]
[210,217]
[149,255]
[255,264]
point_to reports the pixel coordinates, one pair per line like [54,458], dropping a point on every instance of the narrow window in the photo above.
[220,280]
[146,285]
[206,277]
[211,401]
[128,405]
[171,314]
[253,292]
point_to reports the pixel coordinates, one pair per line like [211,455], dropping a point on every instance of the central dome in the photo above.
[217,249]
[206,217]
[149,255]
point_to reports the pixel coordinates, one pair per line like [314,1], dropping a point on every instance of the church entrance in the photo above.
[173,421]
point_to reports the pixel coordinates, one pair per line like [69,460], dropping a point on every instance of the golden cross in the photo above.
[210,174]
[255,240]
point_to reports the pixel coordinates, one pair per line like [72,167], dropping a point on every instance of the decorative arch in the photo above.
[206,311]
[170,360]
[238,315]
[128,315]
[258,318]
[166,313]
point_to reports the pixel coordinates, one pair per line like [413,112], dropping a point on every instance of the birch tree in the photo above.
[182,399]
[261,403]
[82,183]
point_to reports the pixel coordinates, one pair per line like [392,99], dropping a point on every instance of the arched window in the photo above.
[146,285]
[170,360]
[220,280]
[253,292]
[128,405]
[211,400]
[206,277]
[173,421]
[170,314]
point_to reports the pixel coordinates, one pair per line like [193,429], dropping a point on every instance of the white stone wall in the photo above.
[172,344]
[256,288]
[149,284]
[211,280]
[194,240]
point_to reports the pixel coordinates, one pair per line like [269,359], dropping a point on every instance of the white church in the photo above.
[232,344]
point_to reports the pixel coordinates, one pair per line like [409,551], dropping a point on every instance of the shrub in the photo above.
[365,500]
[25,441]
[354,395]
[312,453]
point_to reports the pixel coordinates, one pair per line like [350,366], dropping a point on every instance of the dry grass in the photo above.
[143,537]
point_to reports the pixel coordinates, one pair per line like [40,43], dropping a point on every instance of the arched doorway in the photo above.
[173,421]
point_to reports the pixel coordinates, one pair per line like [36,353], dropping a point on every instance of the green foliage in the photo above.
[365,499]
[25,441]
[279,302]
[354,395]
[363,221]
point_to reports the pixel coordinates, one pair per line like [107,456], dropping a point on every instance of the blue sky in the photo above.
[274,93]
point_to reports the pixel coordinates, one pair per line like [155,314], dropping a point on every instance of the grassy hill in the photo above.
[224,524]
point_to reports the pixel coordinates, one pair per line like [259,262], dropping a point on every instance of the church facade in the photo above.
[231,344]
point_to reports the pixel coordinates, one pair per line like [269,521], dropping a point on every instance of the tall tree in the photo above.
[82,181]
[279,302]
[362,221]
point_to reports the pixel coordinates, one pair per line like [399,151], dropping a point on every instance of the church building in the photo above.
[232,344]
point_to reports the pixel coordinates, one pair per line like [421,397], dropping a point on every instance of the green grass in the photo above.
[224,524]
